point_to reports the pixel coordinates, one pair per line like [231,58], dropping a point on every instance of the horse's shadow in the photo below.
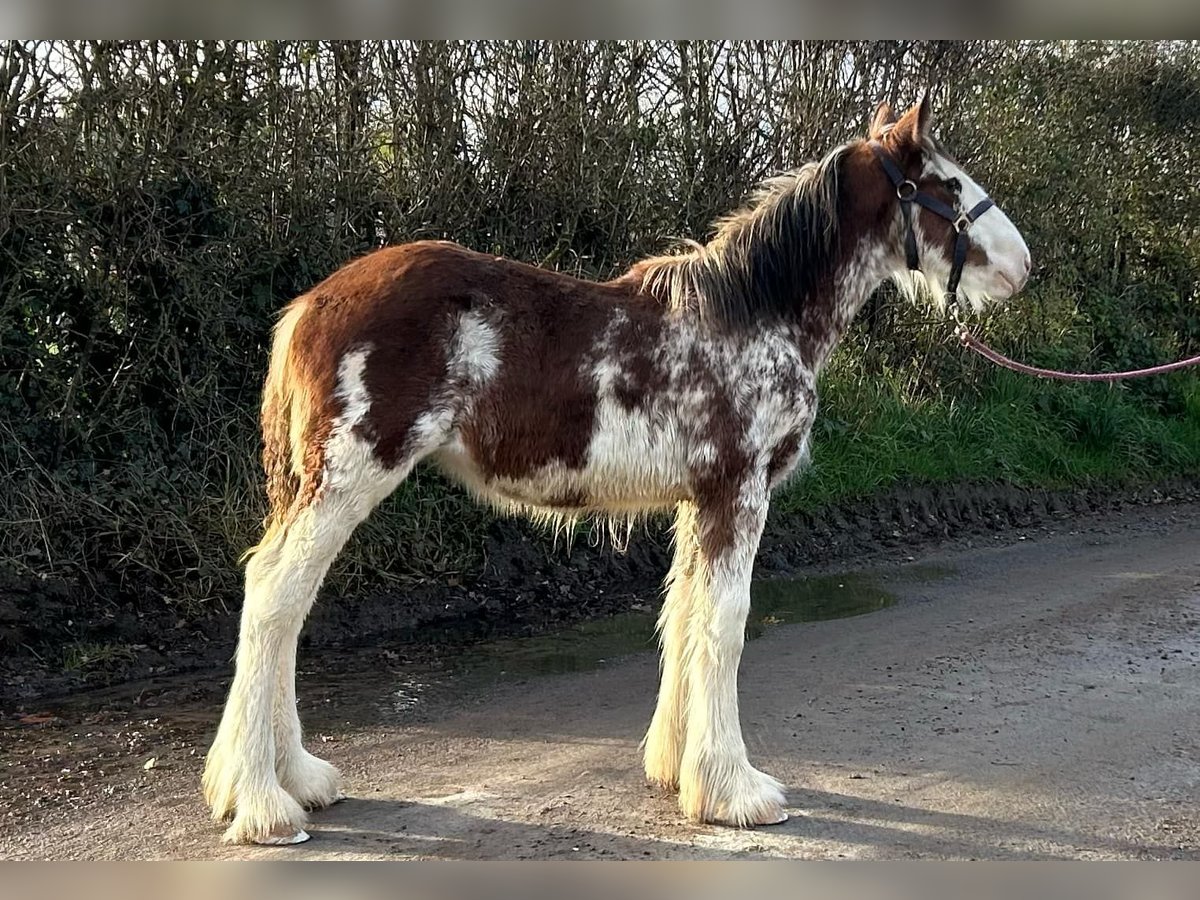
[405,829]
[862,827]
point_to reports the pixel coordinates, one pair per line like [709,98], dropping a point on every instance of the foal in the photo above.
[688,383]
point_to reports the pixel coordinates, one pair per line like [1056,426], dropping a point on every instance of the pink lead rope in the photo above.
[1001,360]
[908,194]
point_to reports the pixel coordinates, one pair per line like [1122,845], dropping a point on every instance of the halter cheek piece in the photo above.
[908,193]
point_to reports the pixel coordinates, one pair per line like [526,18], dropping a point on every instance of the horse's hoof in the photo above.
[738,796]
[314,783]
[317,807]
[271,817]
[285,840]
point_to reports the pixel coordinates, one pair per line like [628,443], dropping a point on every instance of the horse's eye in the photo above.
[953,185]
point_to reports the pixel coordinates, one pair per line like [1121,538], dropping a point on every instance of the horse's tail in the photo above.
[283,419]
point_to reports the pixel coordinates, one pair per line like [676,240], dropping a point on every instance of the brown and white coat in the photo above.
[688,383]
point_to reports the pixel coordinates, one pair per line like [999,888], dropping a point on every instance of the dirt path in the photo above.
[1037,699]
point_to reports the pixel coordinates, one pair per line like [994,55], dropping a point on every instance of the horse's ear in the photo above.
[915,125]
[883,117]
[923,124]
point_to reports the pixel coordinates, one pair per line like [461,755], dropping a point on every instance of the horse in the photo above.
[686,384]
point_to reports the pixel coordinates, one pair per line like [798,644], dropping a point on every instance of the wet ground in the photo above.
[1028,695]
[59,639]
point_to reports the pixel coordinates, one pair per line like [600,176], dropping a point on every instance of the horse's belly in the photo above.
[624,470]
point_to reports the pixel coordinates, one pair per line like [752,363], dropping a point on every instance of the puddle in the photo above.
[591,645]
[780,601]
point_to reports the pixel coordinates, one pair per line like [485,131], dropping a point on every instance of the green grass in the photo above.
[875,434]
[92,657]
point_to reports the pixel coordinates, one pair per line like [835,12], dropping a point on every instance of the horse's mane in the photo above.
[765,259]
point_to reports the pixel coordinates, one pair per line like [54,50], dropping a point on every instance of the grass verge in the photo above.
[875,434]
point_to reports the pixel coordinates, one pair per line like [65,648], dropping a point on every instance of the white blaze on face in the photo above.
[1008,261]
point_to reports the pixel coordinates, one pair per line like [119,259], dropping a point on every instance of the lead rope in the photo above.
[964,335]
[908,193]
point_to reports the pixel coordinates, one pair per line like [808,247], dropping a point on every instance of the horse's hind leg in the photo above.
[663,745]
[282,580]
[257,770]
[716,781]
[311,781]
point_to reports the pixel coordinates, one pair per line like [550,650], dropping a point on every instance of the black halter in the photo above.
[907,191]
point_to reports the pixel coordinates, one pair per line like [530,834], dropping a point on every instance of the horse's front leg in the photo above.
[716,781]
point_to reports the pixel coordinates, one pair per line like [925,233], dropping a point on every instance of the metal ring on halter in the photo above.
[906,190]
[962,223]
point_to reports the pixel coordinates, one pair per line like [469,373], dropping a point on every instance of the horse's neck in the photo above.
[825,318]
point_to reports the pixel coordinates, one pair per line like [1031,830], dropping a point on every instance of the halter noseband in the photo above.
[909,194]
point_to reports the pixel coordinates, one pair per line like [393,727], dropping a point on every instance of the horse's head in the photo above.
[945,225]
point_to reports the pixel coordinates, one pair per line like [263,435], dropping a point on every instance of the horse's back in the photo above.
[405,294]
[506,359]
